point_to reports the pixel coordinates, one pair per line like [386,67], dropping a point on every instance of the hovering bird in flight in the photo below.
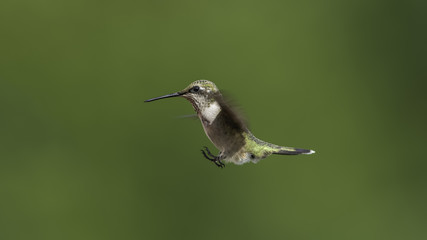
[226,129]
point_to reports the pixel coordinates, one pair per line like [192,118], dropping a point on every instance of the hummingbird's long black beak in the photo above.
[177,94]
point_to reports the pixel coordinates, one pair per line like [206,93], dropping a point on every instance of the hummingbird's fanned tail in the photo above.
[292,151]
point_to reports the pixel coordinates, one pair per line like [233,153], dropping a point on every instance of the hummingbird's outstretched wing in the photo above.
[234,116]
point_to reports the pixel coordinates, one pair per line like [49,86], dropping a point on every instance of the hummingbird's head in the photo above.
[200,93]
[200,87]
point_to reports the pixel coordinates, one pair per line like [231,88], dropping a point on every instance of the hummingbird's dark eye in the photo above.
[195,89]
[252,156]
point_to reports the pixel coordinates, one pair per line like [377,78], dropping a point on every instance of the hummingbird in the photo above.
[225,128]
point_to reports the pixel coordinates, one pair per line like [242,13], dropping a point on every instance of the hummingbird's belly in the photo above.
[227,139]
[215,138]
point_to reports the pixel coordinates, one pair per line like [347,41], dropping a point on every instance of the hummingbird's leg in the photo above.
[215,159]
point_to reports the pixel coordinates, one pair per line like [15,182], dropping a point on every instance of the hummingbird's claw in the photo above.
[207,157]
[221,164]
[215,159]
[209,152]
[218,163]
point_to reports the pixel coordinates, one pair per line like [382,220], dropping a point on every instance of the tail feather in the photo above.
[293,151]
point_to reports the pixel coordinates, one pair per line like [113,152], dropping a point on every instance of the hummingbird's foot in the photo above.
[215,159]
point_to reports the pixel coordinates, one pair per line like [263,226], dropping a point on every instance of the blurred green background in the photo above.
[82,157]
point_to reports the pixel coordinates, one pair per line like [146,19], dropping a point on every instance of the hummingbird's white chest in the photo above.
[210,112]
